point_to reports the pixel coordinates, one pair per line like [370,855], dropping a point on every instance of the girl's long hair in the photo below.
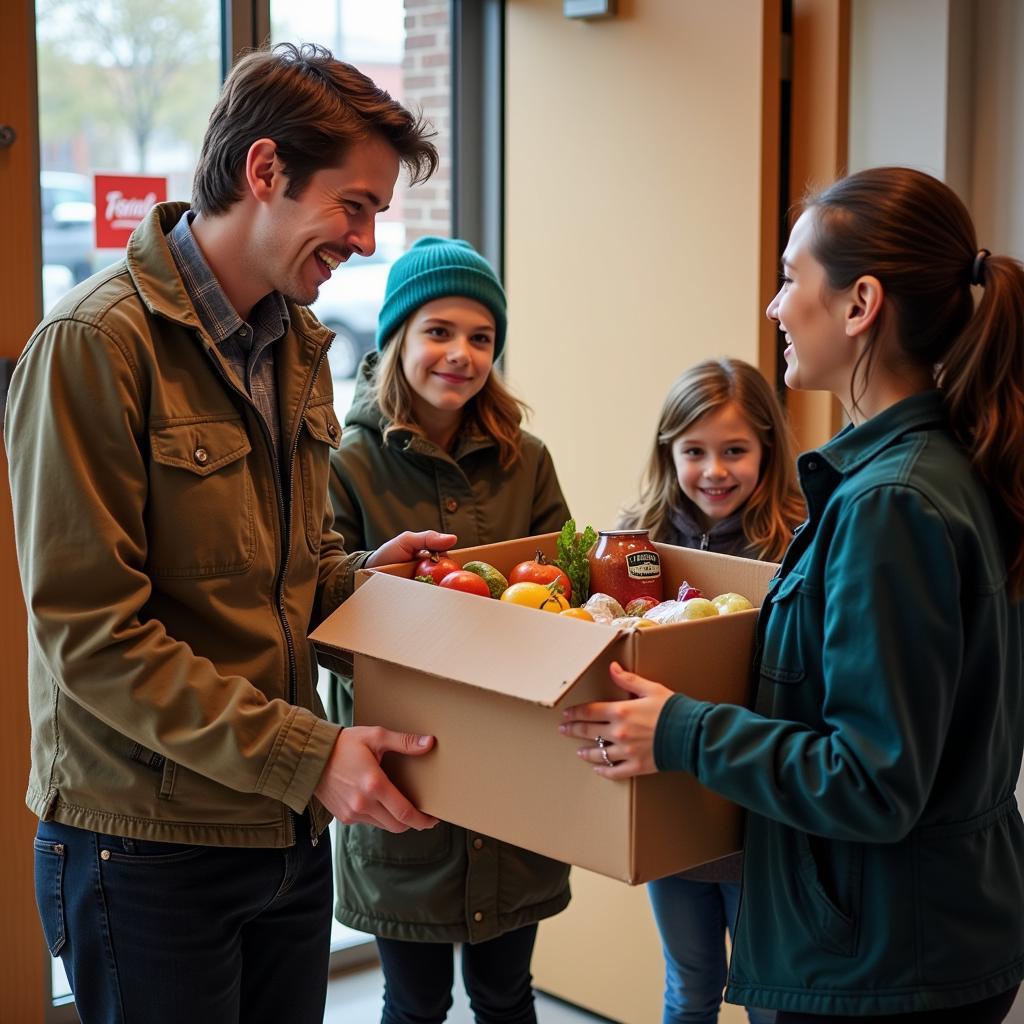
[493,412]
[914,234]
[775,507]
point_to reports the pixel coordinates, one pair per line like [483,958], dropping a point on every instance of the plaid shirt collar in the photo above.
[269,317]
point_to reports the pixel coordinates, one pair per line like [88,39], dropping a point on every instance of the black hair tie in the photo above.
[978,266]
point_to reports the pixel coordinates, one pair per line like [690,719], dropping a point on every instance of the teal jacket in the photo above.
[884,864]
[447,884]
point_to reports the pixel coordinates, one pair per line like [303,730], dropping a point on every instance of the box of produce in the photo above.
[457,651]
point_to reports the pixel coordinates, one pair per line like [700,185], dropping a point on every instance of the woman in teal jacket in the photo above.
[884,867]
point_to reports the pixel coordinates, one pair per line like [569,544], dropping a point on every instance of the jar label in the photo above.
[643,565]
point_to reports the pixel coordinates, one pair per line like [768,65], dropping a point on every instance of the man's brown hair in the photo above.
[314,108]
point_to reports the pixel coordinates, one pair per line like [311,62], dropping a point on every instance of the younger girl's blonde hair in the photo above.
[493,412]
[776,506]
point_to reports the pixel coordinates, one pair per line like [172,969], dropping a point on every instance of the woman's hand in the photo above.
[622,730]
[407,547]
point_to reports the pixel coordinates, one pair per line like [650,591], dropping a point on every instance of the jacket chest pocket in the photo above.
[783,652]
[200,515]
[323,435]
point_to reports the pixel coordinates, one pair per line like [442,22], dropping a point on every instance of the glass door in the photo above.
[404,46]
[125,88]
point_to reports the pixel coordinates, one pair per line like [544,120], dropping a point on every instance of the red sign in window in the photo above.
[122,201]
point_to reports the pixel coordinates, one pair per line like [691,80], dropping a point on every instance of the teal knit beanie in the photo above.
[433,269]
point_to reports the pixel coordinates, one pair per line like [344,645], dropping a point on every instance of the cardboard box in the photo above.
[490,680]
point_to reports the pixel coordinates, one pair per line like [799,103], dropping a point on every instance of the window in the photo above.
[124,88]
[404,46]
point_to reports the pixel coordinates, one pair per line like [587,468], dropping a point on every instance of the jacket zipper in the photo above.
[286,531]
[705,539]
[290,640]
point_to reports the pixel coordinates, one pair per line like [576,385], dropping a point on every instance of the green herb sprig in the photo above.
[572,558]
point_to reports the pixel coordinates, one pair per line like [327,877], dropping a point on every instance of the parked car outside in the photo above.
[349,302]
[68,217]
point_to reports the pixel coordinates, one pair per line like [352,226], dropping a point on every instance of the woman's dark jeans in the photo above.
[418,978]
[159,933]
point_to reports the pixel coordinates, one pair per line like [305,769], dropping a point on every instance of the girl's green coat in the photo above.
[446,884]
[884,865]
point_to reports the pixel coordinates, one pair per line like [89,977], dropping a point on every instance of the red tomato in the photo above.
[467,582]
[435,567]
[540,570]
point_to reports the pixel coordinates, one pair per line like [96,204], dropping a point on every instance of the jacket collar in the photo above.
[724,535]
[853,446]
[159,284]
[152,267]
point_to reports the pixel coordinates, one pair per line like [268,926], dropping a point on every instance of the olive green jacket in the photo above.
[445,884]
[170,581]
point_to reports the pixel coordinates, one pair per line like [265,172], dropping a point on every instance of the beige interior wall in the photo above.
[636,178]
[641,175]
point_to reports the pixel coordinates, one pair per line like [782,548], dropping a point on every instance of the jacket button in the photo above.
[478,843]
[201,456]
[332,431]
[451,504]
[812,466]
[478,917]
[104,855]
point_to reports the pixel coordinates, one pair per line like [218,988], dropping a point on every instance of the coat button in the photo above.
[478,917]
[450,504]
[812,466]
[332,431]
[478,843]
[201,456]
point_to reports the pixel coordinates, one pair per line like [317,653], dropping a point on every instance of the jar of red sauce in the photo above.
[625,564]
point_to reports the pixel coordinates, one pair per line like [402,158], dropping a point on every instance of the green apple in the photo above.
[697,608]
[726,603]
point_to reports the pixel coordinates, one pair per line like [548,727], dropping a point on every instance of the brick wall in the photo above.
[426,85]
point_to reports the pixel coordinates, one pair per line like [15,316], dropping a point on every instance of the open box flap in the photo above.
[520,652]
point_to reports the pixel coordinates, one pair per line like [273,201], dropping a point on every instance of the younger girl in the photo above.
[884,856]
[433,438]
[721,478]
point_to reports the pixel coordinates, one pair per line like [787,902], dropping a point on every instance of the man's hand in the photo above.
[354,787]
[407,547]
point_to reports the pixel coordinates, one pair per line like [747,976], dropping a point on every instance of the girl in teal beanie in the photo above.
[434,437]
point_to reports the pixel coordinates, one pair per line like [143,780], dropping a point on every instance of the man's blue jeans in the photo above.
[159,933]
[692,918]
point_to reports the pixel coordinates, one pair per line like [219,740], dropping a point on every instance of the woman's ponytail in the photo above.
[982,376]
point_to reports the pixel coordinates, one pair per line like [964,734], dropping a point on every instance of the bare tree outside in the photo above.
[145,68]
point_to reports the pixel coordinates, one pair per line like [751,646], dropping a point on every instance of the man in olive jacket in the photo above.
[169,427]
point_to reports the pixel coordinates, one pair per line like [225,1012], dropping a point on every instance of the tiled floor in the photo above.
[355,998]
